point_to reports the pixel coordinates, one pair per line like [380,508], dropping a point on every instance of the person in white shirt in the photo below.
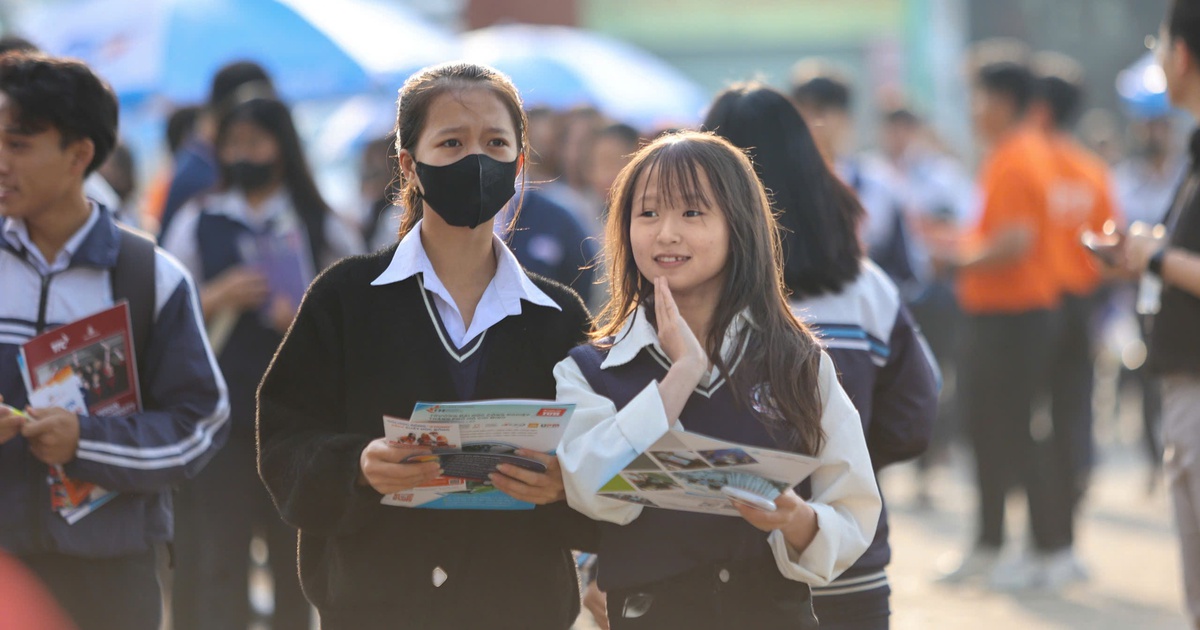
[693,254]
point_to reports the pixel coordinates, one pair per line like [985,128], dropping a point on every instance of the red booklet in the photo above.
[86,367]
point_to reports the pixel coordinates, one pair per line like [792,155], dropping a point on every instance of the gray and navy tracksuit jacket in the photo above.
[141,455]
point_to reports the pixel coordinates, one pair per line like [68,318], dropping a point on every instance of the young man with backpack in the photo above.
[63,258]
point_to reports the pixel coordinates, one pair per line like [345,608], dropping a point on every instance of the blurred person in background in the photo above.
[120,172]
[611,149]
[547,130]
[1080,201]
[1145,183]
[1146,180]
[379,191]
[181,124]
[939,198]
[265,221]
[196,168]
[1008,288]
[1169,261]
[579,127]
[549,241]
[845,298]
[823,97]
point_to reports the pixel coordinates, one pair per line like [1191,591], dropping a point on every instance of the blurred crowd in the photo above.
[1007,259]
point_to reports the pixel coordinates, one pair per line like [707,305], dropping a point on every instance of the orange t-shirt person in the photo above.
[1014,186]
[1080,200]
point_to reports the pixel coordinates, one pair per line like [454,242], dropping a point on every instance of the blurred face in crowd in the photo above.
[897,137]
[375,173]
[1154,137]
[831,129]
[608,156]
[38,171]
[992,113]
[580,128]
[250,156]
[545,138]
[686,243]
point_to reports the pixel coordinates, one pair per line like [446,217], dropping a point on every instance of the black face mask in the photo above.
[470,191]
[249,176]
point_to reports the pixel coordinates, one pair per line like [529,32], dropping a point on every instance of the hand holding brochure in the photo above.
[470,438]
[85,367]
[696,473]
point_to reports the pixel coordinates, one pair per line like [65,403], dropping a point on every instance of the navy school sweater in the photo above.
[639,553]
[355,353]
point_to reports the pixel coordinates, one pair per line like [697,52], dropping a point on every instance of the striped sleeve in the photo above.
[186,403]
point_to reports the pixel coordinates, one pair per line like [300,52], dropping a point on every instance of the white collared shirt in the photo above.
[17,234]
[599,441]
[500,299]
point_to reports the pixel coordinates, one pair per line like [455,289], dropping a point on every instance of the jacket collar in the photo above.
[95,244]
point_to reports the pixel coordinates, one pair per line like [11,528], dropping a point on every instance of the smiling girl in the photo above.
[698,332]
[445,315]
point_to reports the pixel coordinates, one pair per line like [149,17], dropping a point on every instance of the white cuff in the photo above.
[816,566]
[644,420]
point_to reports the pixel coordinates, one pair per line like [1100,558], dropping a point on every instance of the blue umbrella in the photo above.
[171,48]
[1143,89]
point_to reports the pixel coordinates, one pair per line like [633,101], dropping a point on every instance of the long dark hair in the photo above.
[412,109]
[818,214]
[273,116]
[781,351]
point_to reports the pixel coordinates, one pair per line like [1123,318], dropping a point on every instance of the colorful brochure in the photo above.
[687,471]
[497,427]
[87,367]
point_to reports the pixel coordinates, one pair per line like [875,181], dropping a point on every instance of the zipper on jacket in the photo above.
[45,297]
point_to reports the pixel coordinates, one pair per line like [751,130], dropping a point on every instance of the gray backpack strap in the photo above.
[133,280]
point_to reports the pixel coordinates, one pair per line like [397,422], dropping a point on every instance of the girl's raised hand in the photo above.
[676,337]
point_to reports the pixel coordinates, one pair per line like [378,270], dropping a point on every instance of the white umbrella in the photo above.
[560,66]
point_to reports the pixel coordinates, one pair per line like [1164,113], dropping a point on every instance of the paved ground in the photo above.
[1125,539]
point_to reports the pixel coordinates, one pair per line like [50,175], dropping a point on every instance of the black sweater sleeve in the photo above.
[307,460]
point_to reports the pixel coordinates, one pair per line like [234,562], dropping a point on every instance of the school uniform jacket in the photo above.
[141,455]
[356,352]
[887,370]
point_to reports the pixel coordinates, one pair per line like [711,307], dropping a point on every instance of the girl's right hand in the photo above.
[674,334]
[380,467]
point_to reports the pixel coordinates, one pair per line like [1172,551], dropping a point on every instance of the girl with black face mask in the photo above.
[254,245]
[447,314]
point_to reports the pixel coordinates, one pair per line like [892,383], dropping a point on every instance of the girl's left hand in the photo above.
[791,512]
[526,485]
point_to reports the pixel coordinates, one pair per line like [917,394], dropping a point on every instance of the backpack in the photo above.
[134,280]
